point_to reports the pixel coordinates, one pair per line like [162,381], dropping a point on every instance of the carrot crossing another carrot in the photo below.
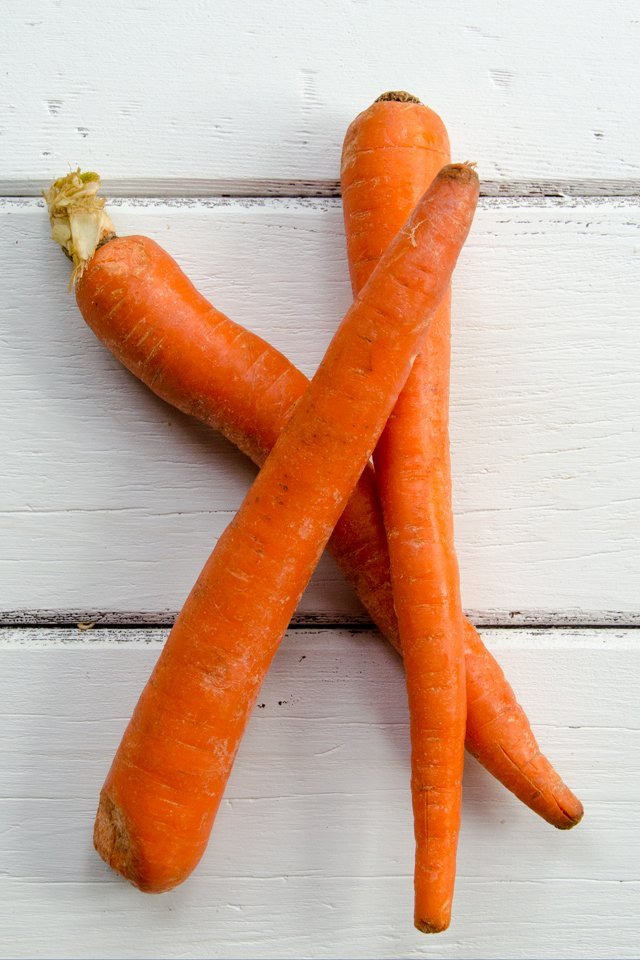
[160,797]
[391,151]
[203,363]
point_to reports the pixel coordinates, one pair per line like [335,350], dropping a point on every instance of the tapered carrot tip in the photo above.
[426,926]
[432,903]
[573,811]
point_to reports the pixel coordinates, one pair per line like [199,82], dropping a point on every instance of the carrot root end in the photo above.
[573,818]
[427,926]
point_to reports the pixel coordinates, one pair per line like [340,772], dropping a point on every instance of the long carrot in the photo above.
[201,362]
[414,482]
[160,797]
[391,153]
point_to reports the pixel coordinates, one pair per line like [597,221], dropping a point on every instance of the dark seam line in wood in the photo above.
[43,619]
[159,188]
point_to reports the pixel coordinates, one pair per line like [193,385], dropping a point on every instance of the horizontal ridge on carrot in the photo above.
[165,784]
[201,362]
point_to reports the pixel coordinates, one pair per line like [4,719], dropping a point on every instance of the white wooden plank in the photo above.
[311,854]
[208,90]
[332,918]
[111,501]
[313,686]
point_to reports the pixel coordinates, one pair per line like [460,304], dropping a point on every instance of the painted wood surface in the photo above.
[112,501]
[200,89]
[312,850]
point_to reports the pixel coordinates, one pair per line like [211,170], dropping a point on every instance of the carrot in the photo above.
[414,492]
[160,797]
[211,368]
[391,153]
[414,482]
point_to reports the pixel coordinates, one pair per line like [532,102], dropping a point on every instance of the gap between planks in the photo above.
[486,619]
[260,189]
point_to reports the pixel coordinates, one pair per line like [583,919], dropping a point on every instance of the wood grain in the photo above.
[109,501]
[311,855]
[112,501]
[195,90]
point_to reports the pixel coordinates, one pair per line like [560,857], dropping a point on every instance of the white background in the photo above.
[218,128]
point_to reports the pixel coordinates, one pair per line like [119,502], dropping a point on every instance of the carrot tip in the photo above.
[573,819]
[111,839]
[397,96]
[426,926]
[459,171]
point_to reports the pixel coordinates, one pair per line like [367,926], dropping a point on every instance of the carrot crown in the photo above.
[397,96]
[79,222]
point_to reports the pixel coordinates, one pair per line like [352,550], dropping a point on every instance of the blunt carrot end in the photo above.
[79,222]
[424,926]
[460,171]
[573,811]
[114,840]
[397,96]
[111,837]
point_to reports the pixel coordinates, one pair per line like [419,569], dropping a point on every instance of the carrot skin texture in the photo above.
[419,143]
[203,363]
[140,304]
[377,199]
[414,484]
[165,784]
[391,152]
[500,737]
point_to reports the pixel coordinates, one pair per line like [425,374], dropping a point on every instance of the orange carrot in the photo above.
[414,481]
[211,368]
[391,153]
[161,794]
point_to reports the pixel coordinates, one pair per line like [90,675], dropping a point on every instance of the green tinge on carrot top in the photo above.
[79,222]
